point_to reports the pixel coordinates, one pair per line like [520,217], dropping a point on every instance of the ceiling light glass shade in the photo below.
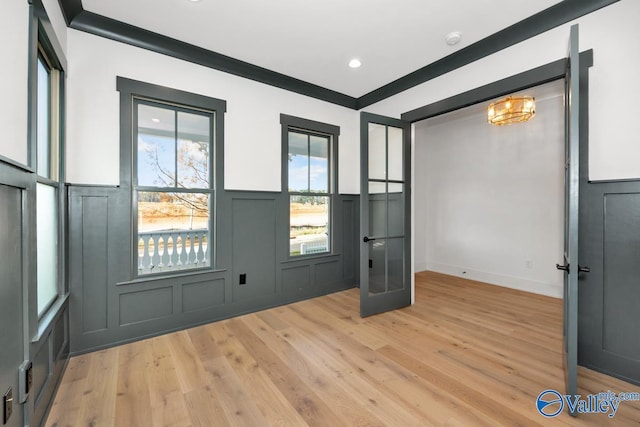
[511,110]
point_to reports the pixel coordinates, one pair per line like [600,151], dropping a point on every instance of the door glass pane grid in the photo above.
[395,150]
[386,208]
[377,151]
[395,264]
[377,267]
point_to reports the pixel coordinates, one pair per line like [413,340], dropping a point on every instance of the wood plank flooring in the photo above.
[466,354]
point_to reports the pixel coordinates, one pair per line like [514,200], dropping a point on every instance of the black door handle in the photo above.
[366,239]
[563,267]
[584,269]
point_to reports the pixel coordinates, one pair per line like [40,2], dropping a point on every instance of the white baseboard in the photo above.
[549,289]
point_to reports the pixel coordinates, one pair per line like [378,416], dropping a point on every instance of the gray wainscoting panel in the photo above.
[328,274]
[142,306]
[609,296]
[59,336]
[41,371]
[351,242]
[109,306]
[11,289]
[45,341]
[51,353]
[204,294]
[254,247]
[95,238]
[296,280]
[622,274]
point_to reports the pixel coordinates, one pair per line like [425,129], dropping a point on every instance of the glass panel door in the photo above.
[572,174]
[385,203]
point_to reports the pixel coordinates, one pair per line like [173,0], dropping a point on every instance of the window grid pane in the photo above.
[309,185]
[318,164]
[47,244]
[173,231]
[43,117]
[309,224]
[156,146]
[194,135]
[298,162]
[174,148]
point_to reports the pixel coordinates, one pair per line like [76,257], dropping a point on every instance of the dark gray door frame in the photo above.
[536,76]
[556,70]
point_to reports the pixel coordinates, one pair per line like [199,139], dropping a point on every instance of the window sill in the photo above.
[165,276]
[48,319]
[312,257]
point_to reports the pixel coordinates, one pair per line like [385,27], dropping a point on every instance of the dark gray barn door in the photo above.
[572,175]
[11,306]
[385,206]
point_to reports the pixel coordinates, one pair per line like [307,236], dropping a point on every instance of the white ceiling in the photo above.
[314,40]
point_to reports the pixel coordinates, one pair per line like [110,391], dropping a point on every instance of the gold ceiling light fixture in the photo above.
[512,109]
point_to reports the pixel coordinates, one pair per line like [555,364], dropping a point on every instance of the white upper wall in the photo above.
[612,33]
[14,31]
[252,121]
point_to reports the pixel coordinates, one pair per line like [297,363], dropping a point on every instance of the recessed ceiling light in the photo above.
[195,1]
[453,38]
[155,120]
[355,63]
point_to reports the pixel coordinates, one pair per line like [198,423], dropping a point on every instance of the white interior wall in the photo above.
[252,121]
[14,31]
[613,149]
[488,199]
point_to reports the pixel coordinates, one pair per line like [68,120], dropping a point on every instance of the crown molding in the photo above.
[554,16]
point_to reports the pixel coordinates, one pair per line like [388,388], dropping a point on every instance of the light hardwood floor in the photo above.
[465,354]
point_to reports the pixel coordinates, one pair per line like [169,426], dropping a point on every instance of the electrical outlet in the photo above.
[7,405]
[243,279]
[528,264]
